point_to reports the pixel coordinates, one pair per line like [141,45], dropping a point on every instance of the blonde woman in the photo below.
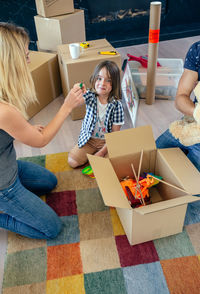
[22,182]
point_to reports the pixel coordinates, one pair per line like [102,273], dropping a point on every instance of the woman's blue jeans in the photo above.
[23,211]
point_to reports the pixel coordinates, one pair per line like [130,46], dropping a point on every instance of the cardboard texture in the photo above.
[42,50]
[62,29]
[80,70]
[46,76]
[49,8]
[165,216]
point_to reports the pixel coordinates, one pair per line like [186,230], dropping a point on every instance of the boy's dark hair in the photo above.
[113,73]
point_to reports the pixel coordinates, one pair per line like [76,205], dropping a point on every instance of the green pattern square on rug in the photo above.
[40,159]
[25,267]
[105,282]
[89,200]
[178,245]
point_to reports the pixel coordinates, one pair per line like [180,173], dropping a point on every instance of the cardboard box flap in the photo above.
[166,204]
[108,182]
[186,173]
[129,141]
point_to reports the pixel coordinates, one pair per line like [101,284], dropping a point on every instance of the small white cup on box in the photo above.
[74,49]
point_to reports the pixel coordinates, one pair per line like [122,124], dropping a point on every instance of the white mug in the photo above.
[74,49]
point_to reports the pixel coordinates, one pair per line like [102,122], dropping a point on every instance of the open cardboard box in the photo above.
[165,216]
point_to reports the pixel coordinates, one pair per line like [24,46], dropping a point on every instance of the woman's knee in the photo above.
[53,181]
[55,228]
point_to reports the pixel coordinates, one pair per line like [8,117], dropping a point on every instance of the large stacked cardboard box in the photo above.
[68,28]
[58,23]
[46,77]
[80,70]
[49,8]
[165,216]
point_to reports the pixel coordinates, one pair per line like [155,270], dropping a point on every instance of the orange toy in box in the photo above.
[132,192]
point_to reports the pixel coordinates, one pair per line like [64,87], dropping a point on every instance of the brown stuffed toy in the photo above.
[187,130]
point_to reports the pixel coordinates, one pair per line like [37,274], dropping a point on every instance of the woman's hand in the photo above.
[74,98]
[80,86]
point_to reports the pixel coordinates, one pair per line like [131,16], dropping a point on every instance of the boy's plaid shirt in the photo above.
[114,115]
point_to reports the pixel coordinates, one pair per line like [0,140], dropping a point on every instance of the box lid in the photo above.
[184,171]
[125,142]
[109,185]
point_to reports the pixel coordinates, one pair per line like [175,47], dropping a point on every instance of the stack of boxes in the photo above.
[58,23]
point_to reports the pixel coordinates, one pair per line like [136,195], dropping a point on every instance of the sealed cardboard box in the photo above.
[68,28]
[49,8]
[80,70]
[165,216]
[46,76]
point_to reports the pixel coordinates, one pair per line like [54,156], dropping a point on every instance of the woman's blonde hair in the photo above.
[16,83]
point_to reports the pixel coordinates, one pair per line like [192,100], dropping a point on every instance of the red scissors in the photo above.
[142,59]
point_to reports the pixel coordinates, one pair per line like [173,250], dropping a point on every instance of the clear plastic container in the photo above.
[167,77]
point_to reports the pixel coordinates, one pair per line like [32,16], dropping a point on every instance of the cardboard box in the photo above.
[49,8]
[42,50]
[165,216]
[68,28]
[80,70]
[46,76]
[167,77]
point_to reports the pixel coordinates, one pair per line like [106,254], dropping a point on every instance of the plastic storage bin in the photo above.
[167,77]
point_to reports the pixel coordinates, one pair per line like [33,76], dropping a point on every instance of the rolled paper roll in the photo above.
[154,32]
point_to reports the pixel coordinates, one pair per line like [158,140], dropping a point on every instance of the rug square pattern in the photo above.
[40,159]
[137,254]
[63,260]
[117,226]
[182,274]
[25,267]
[63,203]
[192,215]
[194,235]
[57,162]
[152,281]
[35,288]
[99,254]
[19,243]
[174,246]
[74,180]
[89,200]
[92,254]
[100,282]
[95,225]
[71,284]
[70,232]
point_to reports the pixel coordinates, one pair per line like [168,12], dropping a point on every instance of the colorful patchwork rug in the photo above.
[92,254]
